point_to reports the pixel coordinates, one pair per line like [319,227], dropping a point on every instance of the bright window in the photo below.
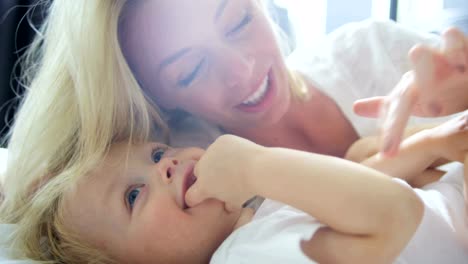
[311,19]
[420,14]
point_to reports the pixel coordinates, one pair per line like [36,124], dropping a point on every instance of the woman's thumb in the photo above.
[368,107]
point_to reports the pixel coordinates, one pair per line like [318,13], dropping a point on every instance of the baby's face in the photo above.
[135,209]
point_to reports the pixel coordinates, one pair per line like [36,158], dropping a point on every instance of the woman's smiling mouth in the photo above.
[260,99]
[257,96]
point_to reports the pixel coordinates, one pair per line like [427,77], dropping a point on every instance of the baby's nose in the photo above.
[167,168]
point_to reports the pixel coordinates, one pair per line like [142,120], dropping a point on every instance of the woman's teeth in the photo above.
[259,94]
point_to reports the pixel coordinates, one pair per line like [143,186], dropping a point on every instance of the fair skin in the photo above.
[159,226]
[267,168]
[437,86]
[214,63]
[215,58]
[426,149]
[145,214]
[135,211]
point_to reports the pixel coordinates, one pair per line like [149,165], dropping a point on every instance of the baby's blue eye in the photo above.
[132,196]
[157,155]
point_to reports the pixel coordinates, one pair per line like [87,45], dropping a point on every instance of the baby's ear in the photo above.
[429,65]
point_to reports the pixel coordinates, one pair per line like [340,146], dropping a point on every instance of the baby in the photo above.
[150,203]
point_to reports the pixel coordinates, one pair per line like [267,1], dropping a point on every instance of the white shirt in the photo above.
[274,234]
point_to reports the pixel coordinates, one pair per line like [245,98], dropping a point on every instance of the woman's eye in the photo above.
[187,80]
[244,22]
[132,197]
[158,154]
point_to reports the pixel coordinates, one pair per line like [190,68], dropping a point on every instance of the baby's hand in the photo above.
[437,86]
[223,172]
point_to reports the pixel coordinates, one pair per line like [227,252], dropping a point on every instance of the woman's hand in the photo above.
[222,172]
[437,86]
[450,140]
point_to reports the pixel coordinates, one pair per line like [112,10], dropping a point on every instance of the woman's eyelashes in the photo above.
[189,78]
[246,19]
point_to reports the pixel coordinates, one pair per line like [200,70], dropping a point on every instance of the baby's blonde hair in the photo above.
[80,97]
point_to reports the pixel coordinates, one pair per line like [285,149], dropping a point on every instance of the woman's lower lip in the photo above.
[265,102]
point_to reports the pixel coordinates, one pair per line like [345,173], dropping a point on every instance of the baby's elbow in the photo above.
[408,210]
[402,220]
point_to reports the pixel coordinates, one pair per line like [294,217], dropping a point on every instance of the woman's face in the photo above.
[217,59]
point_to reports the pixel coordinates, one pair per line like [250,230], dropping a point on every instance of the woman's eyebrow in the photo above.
[172,59]
[220,9]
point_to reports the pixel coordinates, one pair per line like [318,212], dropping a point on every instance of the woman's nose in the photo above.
[167,168]
[237,68]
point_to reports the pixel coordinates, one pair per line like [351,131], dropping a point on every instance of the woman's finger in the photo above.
[396,114]
[369,107]
[454,49]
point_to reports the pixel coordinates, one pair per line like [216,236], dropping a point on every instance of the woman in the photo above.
[220,62]
[83,92]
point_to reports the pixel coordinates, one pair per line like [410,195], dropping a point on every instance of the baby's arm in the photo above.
[418,152]
[414,157]
[367,150]
[367,147]
[362,207]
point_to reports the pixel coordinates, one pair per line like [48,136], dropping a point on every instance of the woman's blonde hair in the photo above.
[80,98]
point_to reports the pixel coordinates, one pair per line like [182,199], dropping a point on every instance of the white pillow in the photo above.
[5,229]
[5,252]
[3,163]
